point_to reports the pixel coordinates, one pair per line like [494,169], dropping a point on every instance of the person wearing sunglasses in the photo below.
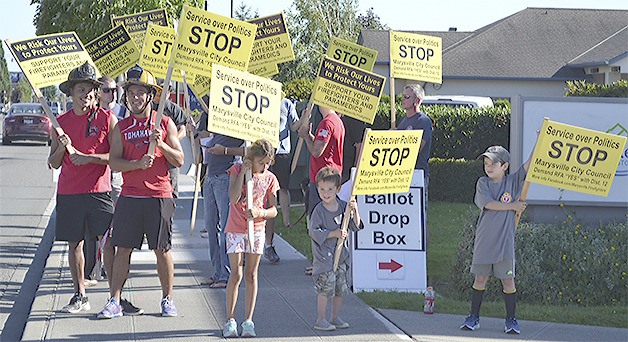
[411,98]
[146,206]
[109,97]
[84,205]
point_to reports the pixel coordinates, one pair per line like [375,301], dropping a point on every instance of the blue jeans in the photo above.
[216,205]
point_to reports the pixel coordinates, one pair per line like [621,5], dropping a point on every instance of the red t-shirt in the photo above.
[154,181]
[332,131]
[264,184]
[88,137]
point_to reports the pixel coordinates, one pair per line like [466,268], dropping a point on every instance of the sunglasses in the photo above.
[107,90]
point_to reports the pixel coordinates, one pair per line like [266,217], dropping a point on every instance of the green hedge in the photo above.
[582,88]
[453,180]
[458,132]
[556,263]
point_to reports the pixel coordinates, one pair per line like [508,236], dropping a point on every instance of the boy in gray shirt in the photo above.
[324,229]
[497,195]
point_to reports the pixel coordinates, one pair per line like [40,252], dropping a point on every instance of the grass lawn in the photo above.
[445,220]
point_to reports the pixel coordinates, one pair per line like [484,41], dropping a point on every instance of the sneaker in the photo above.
[511,326]
[111,310]
[128,309]
[90,282]
[167,307]
[248,329]
[324,325]
[472,322]
[339,324]
[77,303]
[271,255]
[230,329]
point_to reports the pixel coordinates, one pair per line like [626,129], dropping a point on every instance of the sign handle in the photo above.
[197,183]
[393,108]
[248,179]
[346,216]
[160,109]
[44,104]
[524,194]
[297,151]
[197,177]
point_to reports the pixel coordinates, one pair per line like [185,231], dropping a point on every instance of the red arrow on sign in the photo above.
[392,266]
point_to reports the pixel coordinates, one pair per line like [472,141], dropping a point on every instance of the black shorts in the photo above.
[281,169]
[83,213]
[135,217]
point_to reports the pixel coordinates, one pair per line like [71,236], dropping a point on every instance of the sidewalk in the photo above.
[285,310]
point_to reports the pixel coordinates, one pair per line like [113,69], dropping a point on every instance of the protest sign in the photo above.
[574,158]
[387,162]
[348,90]
[272,43]
[200,85]
[136,23]
[352,53]
[244,106]
[113,52]
[416,57]
[157,50]
[205,38]
[265,70]
[47,60]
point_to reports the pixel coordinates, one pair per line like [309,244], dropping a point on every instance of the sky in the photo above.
[415,15]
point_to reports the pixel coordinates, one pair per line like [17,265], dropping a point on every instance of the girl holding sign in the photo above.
[265,185]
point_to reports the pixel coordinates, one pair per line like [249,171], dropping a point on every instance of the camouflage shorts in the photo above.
[332,284]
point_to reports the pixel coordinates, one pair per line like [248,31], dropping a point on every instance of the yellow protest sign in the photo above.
[244,106]
[47,60]
[348,90]
[352,53]
[205,38]
[136,23]
[265,70]
[416,57]
[272,42]
[387,162]
[156,51]
[574,158]
[200,85]
[113,52]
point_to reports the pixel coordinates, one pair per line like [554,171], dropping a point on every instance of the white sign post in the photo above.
[389,253]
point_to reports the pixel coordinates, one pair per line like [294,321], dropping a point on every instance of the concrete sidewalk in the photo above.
[285,310]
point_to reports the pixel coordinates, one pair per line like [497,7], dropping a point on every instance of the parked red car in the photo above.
[26,121]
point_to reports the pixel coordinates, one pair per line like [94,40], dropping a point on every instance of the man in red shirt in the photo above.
[84,204]
[145,206]
[325,148]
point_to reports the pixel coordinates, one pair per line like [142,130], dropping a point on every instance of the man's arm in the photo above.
[116,161]
[171,148]
[316,147]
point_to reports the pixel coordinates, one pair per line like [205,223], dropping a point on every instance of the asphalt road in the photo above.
[26,189]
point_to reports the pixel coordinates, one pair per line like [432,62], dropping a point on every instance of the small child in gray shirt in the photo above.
[324,229]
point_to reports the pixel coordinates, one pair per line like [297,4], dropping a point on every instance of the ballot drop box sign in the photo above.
[389,253]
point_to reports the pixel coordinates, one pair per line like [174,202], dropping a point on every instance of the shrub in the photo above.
[445,172]
[298,89]
[557,263]
[583,88]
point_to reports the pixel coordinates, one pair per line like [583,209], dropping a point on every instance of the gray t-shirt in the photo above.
[495,233]
[321,223]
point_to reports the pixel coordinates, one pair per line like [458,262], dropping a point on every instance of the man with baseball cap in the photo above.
[84,204]
[145,206]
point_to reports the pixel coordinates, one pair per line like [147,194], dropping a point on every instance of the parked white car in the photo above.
[457,101]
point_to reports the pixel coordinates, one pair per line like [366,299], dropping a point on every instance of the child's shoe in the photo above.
[248,329]
[324,325]
[339,324]
[511,326]
[472,322]
[230,329]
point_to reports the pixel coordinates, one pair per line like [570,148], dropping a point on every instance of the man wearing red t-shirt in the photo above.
[84,205]
[145,206]
[325,148]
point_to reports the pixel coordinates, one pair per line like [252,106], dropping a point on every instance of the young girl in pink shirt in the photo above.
[265,185]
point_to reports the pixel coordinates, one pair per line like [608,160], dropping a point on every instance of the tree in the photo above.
[244,12]
[90,19]
[24,91]
[5,78]
[312,24]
